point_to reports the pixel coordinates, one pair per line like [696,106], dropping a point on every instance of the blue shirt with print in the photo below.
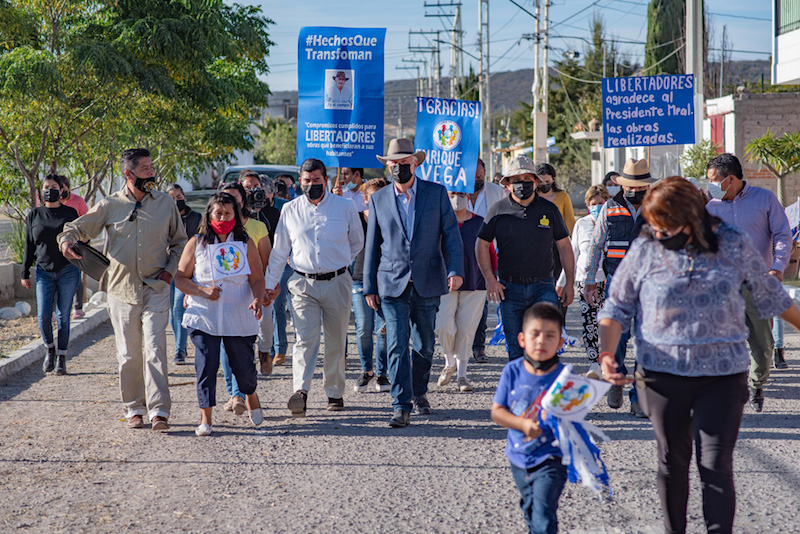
[521,393]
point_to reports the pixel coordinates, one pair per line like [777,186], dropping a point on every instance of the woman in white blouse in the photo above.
[595,197]
[220,271]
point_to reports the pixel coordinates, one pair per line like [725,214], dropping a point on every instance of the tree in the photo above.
[694,160]
[276,142]
[468,86]
[665,35]
[81,80]
[781,155]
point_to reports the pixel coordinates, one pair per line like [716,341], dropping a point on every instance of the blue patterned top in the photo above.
[689,310]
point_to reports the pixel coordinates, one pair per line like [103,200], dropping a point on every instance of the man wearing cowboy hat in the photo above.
[340,96]
[405,272]
[525,226]
[616,227]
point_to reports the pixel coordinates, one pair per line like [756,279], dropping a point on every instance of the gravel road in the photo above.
[68,463]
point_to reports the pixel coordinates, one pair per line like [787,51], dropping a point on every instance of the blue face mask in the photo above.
[715,190]
[351,186]
[594,211]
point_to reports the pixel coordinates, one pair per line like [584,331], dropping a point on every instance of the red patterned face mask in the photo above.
[223,227]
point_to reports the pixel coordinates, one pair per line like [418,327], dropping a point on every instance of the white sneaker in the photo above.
[203,430]
[464,385]
[447,374]
[256,416]
[595,371]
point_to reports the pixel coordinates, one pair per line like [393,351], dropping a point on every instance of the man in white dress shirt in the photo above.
[323,234]
[486,194]
[348,186]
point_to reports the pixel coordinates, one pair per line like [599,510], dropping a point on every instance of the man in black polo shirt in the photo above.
[524,226]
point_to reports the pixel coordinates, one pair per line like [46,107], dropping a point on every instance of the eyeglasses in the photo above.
[135,212]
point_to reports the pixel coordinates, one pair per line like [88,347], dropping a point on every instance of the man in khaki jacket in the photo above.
[145,238]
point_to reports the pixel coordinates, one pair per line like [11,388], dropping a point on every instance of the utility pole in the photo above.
[483,87]
[417,85]
[722,59]
[455,53]
[434,65]
[541,148]
[540,86]
[694,60]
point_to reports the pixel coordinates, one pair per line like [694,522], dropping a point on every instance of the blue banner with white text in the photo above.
[449,132]
[340,96]
[648,110]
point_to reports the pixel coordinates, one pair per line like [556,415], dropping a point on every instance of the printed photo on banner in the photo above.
[449,133]
[339,89]
[648,110]
[340,95]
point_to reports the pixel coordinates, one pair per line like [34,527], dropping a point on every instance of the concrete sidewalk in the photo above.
[69,463]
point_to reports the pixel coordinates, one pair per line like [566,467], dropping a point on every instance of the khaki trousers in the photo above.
[314,302]
[456,321]
[265,329]
[141,340]
[760,340]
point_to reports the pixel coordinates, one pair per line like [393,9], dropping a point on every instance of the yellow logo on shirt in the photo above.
[544,222]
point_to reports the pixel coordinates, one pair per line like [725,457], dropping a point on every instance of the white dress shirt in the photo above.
[355,196]
[319,239]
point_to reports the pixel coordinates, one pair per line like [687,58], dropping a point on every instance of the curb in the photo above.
[34,351]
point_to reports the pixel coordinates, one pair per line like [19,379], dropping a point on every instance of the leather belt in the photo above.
[322,276]
[521,280]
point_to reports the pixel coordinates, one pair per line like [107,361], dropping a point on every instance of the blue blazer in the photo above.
[390,260]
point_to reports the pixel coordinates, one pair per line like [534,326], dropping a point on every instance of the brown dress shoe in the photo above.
[266,363]
[159,423]
[279,359]
[135,421]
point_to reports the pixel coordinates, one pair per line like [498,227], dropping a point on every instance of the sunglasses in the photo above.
[135,212]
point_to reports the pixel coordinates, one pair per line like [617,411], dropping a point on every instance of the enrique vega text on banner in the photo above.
[340,95]
[648,110]
[449,133]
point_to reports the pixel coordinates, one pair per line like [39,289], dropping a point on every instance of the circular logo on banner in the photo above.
[447,135]
[228,259]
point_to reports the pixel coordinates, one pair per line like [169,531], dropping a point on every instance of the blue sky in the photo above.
[748,29]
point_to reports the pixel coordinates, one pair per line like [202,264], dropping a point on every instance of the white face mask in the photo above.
[715,190]
[613,190]
[459,203]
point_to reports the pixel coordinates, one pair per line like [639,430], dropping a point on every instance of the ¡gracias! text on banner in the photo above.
[458,108]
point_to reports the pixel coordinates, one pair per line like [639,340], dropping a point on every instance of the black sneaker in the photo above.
[335,405]
[362,384]
[179,359]
[422,405]
[382,384]
[297,403]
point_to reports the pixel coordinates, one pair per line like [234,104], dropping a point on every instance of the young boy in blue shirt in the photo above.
[535,461]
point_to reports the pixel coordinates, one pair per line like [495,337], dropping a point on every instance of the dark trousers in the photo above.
[540,488]
[206,364]
[518,298]
[705,410]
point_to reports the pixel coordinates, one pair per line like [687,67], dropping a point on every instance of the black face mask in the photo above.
[181,203]
[314,191]
[545,188]
[479,185]
[64,195]
[675,242]
[401,173]
[51,195]
[523,190]
[145,185]
[635,197]
[541,365]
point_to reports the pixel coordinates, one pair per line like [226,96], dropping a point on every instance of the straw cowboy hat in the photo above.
[636,173]
[519,165]
[399,149]
[341,74]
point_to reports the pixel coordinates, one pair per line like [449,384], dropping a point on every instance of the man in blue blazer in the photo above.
[413,256]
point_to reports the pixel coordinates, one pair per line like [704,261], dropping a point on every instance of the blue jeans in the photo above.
[367,322]
[231,384]
[777,332]
[61,287]
[540,488]
[175,319]
[412,315]
[622,348]
[518,298]
[279,343]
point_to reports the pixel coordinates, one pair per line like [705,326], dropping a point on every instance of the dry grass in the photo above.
[16,333]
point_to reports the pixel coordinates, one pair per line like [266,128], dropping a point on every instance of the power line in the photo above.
[739,17]
[575,14]
[523,9]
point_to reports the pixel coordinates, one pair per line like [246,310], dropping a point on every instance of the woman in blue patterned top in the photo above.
[682,281]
